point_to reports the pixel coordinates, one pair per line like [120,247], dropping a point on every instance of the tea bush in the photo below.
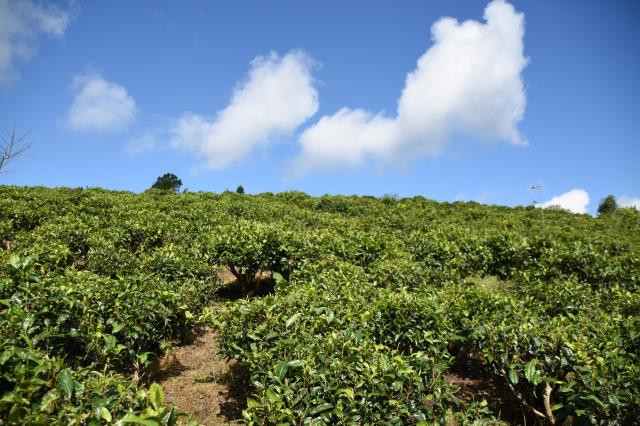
[375,302]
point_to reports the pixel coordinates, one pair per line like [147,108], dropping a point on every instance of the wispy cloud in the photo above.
[22,22]
[576,201]
[277,96]
[468,82]
[141,144]
[99,105]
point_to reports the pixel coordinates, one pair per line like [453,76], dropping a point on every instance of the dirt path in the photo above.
[202,384]
[197,381]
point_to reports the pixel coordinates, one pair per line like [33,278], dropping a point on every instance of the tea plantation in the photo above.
[348,310]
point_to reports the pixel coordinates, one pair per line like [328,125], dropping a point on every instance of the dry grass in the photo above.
[226,276]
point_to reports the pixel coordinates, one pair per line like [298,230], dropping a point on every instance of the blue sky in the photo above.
[117,93]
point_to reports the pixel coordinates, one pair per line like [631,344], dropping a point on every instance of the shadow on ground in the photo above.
[263,285]
[477,384]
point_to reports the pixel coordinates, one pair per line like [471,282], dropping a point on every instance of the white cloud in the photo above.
[468,82]
[99,105]
[625,201]
[277,96]
[141,144]
[576,201]
[21,23]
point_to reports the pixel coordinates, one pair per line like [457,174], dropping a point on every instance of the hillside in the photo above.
[341,309]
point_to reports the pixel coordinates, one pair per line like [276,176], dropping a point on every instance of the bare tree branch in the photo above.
[13,146]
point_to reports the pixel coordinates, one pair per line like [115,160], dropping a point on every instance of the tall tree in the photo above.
[608,205]
[167,182]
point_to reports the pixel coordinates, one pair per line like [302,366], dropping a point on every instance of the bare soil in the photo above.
[198,382]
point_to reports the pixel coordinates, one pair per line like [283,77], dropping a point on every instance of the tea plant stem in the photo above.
[547,404]
[520,398]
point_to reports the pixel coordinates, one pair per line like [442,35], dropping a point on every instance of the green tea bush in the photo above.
[374,304]
[245,248]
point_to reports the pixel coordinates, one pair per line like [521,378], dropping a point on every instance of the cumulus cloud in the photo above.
[21,23]
[625,201]
[576,201]
[468,82]
[276,97]
[99,105]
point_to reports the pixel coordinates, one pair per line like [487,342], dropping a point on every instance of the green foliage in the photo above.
[167,182]
[374,301]
[59,335]
[608,205]
[245,248]
[316,358]
[240,189]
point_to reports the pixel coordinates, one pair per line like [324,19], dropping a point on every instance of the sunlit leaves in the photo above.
[373,302]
